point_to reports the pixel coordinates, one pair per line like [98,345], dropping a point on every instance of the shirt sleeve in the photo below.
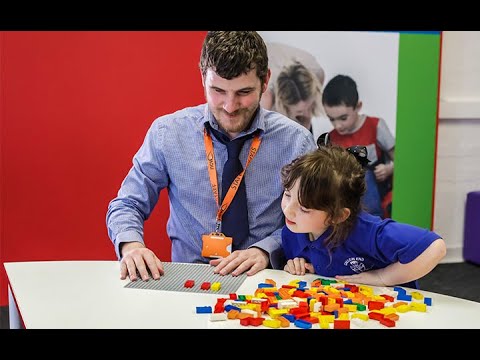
[402,242]
[385,138]
[139,191]
[273,246]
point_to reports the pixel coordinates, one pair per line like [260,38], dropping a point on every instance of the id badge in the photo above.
[216,245]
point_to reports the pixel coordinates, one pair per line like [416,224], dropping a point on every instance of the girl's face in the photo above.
[299,219]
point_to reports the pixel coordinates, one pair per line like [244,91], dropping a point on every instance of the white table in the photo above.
[90,295]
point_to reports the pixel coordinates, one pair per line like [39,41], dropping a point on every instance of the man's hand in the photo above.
[298,266]
[253,260]
[136,257]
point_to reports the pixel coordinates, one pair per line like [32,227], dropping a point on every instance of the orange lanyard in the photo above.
[212,172]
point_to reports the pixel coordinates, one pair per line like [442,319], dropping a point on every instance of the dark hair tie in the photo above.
[361,154]
[324,140]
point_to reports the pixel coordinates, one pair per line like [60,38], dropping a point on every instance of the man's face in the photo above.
[233,102]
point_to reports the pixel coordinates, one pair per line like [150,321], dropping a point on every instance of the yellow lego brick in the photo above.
[331,301]
[272,323]
[216,286]
[343,316]
[403,308]
[239,303]
[327,318]
[349,294]
[363,317]
[324,324]
[364,289]
[251,306]
[388,310]
[416,295]
[350,307]
[262,296]
[311,305]
[316,314]
[276,312]
[332,290]
[270,289]
[418,306]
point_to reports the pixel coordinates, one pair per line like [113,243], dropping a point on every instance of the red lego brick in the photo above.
[375,305]
[387,322]
[189,283]
[341,324]
[375,316]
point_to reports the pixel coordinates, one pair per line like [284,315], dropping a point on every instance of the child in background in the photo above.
[342,106]
[329,234]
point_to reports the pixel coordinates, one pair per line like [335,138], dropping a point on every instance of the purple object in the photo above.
[471,236]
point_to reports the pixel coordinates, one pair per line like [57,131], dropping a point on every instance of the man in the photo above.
[179,150]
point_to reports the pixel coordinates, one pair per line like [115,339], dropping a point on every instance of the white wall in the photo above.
[370,58]
[458,149]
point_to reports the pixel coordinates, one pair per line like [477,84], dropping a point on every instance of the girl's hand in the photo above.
[371,277]
[298,266]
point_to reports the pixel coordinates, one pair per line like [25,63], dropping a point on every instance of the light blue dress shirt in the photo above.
[172,156]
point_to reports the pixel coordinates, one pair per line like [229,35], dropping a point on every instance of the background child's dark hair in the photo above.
[340,90]
[330,179]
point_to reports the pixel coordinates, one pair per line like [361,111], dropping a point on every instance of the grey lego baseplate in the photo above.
[176,274]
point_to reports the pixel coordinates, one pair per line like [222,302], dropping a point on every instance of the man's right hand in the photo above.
[136,257]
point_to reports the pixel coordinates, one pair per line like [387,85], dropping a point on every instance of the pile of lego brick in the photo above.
[325,304]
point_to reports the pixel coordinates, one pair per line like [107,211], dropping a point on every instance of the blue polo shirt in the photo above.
[373,243]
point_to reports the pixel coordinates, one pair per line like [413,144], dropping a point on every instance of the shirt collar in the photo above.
[257,124]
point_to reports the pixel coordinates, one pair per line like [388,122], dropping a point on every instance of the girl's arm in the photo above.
[397,273]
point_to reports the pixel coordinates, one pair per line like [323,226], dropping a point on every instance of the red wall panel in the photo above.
[75,107]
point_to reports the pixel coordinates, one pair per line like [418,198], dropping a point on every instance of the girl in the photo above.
[329,234]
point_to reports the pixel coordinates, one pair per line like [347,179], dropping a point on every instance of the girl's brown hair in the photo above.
[331,179]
